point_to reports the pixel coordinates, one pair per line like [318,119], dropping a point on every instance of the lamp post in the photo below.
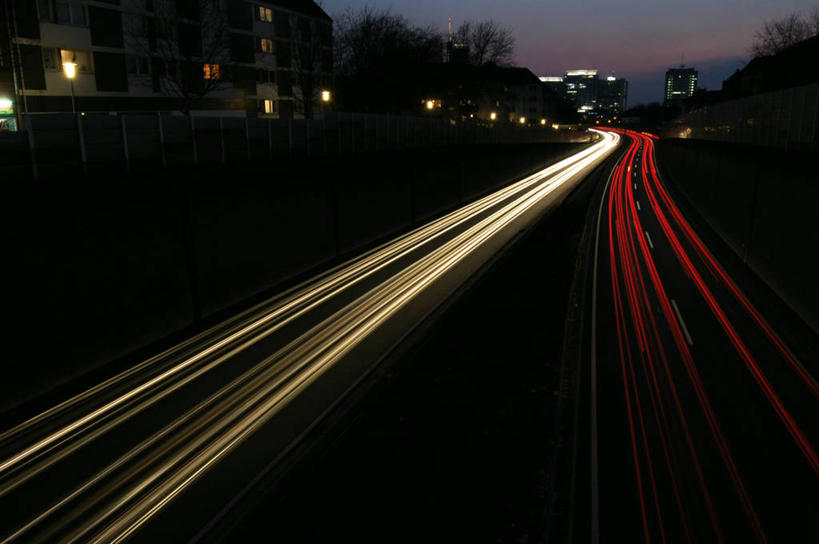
[70,69]
[326,97]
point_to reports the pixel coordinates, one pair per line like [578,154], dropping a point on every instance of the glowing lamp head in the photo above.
[543,122]
[523,120]
[493,116]
[430,104]
[70,69]
[325,96]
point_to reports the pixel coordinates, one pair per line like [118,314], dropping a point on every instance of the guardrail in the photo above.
[784,119]
[54,143]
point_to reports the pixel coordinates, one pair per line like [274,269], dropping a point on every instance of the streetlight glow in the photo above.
[493,116]
[70,69]
[523,120]
[430,104]
[543,122]
[325,96]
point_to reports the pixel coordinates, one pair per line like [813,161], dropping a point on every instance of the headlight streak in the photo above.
[288,310]
[227,417]
[378,312]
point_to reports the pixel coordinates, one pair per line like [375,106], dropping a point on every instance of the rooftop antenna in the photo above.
[450,29]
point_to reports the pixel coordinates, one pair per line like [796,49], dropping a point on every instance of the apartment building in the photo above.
[206,57]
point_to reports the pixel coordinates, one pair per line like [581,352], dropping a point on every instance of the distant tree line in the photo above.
[382,59]
[779,34]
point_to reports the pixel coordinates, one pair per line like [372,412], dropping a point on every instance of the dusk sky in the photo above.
[636,39]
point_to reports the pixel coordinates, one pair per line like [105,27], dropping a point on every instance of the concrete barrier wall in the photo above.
[763,204]
[100,267]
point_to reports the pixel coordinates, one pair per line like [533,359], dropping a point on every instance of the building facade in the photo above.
[217,57]
[613,97]
[592,96]
[554,84]
[680,83]
[582,87]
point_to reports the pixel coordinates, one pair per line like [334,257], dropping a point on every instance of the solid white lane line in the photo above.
[648,239]
[682,323]
[594,529]
[638,205]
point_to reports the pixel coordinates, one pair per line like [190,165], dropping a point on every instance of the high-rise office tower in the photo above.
[680,83]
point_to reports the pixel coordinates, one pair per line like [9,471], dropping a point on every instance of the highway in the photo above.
[165,450]
[703,422]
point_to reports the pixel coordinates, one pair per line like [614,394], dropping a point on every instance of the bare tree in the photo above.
[368,39]
[779,34]
[311,63]
[381,59]
[812,20]
[487,41]
[187,42]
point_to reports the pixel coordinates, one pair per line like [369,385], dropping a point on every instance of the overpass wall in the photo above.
[100,268]
[764,203]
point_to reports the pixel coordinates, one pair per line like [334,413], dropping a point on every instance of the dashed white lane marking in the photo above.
[648,238]
[638,206]
[682,323]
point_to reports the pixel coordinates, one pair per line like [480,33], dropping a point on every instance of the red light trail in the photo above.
[663,447]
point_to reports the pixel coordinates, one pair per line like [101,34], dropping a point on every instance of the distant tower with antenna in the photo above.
[456,52]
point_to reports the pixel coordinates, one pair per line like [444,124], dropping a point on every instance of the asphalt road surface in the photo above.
[703,422]
[161,452]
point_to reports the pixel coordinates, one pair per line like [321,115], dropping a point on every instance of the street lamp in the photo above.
[430,104]
[523,120]
[70,69]
[493,116]
[325,96]
[543,122]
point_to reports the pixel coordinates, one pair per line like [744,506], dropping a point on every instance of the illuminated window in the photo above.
[269,106]
[81,58]
[433,103]
[265,14]
[212,71]
[266,45]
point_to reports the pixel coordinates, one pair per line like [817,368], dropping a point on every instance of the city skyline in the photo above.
[667,36]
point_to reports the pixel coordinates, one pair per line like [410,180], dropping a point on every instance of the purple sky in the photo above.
[637,39]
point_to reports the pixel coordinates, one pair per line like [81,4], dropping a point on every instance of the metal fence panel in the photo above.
[784,119]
